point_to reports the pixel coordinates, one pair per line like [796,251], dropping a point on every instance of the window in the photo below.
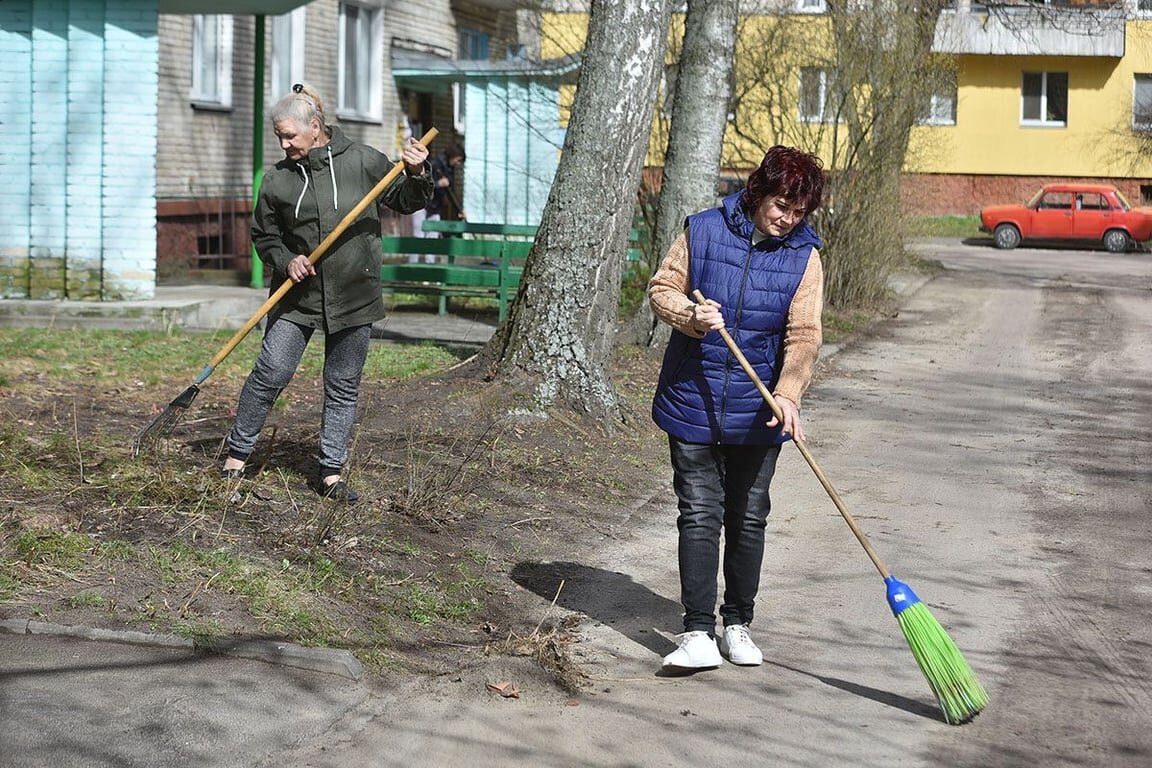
[816,90]
[1091,201]
[1044,99]
[1144,7]
[1142,102]
[811,6]
[940,108]
[360,59]
[211,61]
[473,45]
[1055,201]
[287,51]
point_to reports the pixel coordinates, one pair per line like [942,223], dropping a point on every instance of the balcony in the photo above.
[1031,30]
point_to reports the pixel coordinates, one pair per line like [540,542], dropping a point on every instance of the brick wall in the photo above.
[943,194]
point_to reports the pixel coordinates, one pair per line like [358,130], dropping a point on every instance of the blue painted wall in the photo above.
[513,149]
[78,203]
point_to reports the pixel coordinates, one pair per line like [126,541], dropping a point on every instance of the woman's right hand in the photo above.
[300,268]
[706,317]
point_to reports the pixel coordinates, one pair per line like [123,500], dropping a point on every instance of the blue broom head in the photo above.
[900,595]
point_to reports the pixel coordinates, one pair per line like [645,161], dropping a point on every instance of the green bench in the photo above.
[468,267]
[485,260]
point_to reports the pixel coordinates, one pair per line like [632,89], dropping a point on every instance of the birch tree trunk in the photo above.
[561,329]
[696,135]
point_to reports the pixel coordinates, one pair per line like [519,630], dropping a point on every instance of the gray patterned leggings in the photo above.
[284,344]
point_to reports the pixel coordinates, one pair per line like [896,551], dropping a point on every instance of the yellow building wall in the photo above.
[987,139]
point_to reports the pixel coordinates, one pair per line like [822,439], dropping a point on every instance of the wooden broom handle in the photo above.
[319,251]
[824,481]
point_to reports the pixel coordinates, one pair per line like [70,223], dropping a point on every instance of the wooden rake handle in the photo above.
[824,481]
[313,257]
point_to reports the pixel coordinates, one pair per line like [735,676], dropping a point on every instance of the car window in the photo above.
[1092,201]
[1056,201]
[1123,201]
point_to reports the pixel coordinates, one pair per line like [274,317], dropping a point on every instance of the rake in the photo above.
[959,694]
[162,425]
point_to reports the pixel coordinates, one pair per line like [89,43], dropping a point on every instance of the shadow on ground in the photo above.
[608,597]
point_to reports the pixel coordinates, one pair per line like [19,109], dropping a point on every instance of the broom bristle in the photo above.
[960,695]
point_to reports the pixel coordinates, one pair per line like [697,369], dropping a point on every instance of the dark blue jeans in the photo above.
[721,487]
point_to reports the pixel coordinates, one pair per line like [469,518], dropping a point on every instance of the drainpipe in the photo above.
[257,139]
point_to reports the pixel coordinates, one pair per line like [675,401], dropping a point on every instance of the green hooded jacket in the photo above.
[301,203]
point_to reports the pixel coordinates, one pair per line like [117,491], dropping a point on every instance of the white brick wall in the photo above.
[15,193]
[130,114]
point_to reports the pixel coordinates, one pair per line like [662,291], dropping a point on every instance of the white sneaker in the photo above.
[737,645]
[697,651]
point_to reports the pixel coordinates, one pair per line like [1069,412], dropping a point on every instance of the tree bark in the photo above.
[561,329]
[696,136]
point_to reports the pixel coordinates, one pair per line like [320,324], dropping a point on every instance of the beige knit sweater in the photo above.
[668,294]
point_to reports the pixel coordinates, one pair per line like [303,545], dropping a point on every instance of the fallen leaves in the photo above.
[506,689]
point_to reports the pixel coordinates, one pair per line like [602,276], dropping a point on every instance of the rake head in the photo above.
[161,426]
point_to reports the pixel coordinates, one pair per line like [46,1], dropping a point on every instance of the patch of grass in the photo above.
[430,602]
[116,549]
[87,599]
[279,596]
[59,549]
[841,324]
[24,464]
[945,226]
[199,629]
[9,585]
[146,359]
[98,357]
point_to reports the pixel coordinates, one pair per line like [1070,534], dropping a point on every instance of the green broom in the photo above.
[960,695]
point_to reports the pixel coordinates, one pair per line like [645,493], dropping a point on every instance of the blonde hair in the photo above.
[301,106]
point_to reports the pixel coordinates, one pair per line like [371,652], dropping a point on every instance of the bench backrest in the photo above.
[456,247]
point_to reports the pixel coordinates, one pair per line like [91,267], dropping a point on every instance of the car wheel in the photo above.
[1117,240]
[1006,236]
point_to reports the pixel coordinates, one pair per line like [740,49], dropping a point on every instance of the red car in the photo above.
[1083,212]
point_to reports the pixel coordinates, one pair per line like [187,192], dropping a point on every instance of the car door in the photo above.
[1052,219]
[1091,216]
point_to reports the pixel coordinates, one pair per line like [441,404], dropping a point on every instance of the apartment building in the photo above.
[138,133]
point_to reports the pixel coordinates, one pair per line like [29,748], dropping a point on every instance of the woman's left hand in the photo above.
[415,155]
[791,421]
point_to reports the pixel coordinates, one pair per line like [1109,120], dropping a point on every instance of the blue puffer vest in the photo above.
[703,395]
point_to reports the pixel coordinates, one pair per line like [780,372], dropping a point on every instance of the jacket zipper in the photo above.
[729,358]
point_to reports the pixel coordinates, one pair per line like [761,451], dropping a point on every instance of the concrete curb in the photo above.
[333,661]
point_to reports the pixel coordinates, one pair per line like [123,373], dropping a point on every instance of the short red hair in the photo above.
[786,172]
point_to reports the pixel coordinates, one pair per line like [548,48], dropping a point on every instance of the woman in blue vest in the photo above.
[754,259]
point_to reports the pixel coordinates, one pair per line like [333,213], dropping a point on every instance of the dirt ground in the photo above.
[991,438]
[456,491]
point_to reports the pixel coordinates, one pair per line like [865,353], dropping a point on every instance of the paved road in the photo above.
[993,440]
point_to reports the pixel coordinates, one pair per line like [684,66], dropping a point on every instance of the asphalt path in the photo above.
[993,440]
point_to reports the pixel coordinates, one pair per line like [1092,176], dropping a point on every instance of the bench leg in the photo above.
[443,306]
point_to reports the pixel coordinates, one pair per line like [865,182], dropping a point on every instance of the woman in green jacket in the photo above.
[303,197]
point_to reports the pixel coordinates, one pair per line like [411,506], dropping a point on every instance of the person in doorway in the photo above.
[322,177]
[444,204]
[755,260]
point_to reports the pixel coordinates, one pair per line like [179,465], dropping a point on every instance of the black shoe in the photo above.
[337,491]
